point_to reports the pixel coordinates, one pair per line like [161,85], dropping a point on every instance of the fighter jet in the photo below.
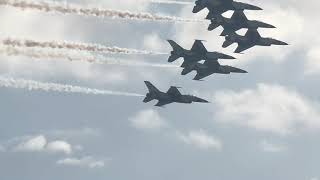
[237,21]
[197,53]
[210,67]
[250,39]
[171,96]
[221,6]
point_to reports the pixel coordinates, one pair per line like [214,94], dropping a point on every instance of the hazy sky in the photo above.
[261,125]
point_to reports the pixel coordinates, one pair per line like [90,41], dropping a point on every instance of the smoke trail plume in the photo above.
[97,12]
[74,56]
[172,2]
[73,46]
[63,88]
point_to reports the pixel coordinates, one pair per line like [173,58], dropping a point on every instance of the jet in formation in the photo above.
[237,21]
[171,96]
[208,68]
[250,39]
[197,53]
[221,6]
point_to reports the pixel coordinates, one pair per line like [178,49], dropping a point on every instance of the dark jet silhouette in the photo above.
[171,96]
[250,39]
[210,67]
[237,21]
[221,6]
[197,53]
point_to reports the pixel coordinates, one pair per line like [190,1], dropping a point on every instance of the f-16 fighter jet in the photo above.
[250,39]
[237,21]
[221,6]
[197,53]
[171,96]
[210,67]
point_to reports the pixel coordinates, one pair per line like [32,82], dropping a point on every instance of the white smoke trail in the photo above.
[63,88]
[74,56]
[73,46]
[97,12]
[172,2]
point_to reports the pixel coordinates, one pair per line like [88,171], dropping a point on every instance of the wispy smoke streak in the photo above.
[63,88]
[74,56]
[97,12]
[73,46]
[172,2]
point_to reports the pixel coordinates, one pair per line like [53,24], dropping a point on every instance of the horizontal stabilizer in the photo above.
[227,43]
[173,58]
[213,26]
[148,99]
[187,70]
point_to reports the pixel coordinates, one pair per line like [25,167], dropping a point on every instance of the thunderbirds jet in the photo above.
[221,6]
[172,95]
[250,39]
[210,67]
[197,53]
[237,21]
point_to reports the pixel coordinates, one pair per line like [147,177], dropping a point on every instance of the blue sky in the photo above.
[261,125]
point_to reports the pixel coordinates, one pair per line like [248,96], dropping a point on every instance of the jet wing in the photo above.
[242,47]
[198,47]
[173,91]
[252,34]
[239,16]
[211,64]
[162,103]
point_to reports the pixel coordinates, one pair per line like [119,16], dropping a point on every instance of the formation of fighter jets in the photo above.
[198,52]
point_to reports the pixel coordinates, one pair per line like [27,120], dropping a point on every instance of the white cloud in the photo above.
[201,140]
[155,43]
[73,133]
[269,108]
[2,148]
[88,162]
[148,119]
[34,144]
[312,65]
[41,144]
[48,23]
[59,146]
[270,147]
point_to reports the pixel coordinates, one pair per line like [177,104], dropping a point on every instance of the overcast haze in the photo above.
[259,126]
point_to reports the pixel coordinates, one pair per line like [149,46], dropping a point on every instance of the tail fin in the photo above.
[151,87]
[151,95]
[176,52]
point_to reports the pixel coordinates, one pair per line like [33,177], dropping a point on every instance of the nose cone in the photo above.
[257,24]
[269,26]
[241,71]
[252,7]
[256,8]
[277,42]
[196,99]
